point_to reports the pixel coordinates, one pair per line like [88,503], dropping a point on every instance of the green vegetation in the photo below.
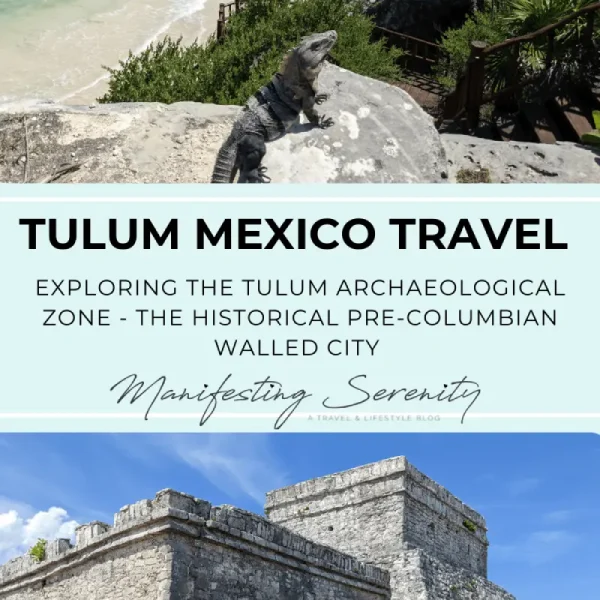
[504,19]
[473,176]
[593,137]
[469,587]
[484,26]
[485,173]
[526,16]
[230,71]
[38,551]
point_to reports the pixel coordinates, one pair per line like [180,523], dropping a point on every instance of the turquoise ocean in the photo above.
[55,49]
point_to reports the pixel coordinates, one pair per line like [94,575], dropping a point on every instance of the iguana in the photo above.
[273,110]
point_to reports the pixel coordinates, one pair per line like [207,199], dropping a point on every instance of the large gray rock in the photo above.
[518,162]
[119,143]
[380,135]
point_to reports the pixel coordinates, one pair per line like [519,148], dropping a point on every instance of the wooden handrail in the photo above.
[543,31]
[469,96]
[411,38]
[225,12]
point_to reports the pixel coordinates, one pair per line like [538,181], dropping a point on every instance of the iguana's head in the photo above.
[313,49]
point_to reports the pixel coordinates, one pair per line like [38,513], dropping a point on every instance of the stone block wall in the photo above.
[177,547]
[377,511]
[423,577]
[380,532]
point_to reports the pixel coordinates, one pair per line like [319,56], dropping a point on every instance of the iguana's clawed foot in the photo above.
[262,175]
[325,122]
[258,176]
[320,98]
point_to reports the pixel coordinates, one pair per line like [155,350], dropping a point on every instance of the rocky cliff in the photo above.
[520,162]
[381,135]
[373,140]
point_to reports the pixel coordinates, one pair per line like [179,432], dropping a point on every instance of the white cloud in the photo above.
[539,547]
[237,464]
[21,527]
[518,487]
[558,516]
[233,463]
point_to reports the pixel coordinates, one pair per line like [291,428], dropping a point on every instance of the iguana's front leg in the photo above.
[308,107]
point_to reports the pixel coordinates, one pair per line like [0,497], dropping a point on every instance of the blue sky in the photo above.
[540,494]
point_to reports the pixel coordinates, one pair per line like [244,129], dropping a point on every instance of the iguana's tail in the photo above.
[225,166]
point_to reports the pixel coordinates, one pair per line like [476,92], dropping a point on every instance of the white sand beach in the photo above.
[55,49]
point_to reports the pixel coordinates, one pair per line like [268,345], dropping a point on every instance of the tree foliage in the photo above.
[526,16]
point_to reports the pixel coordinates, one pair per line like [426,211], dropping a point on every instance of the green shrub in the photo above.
[258,37]
[38,551]
[467,524]
[526,16]
[592,138]
[514,18]
[483,26]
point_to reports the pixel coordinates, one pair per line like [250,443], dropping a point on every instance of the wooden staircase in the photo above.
[226,10]
[554,120]
[417,62]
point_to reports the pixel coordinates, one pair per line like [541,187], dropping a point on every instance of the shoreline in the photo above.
[208,24]
[70,77]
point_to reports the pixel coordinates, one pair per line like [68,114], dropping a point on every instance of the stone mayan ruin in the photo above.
[381,531]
